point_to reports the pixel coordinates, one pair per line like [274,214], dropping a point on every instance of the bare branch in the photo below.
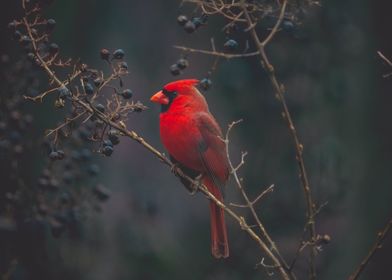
[377,245]
[262,194]
[279,260]
[384,58]
[215,53]
[279,91]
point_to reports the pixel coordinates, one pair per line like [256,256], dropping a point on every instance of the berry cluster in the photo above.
[91,101]
[91,94]
[181,64]
[191,25]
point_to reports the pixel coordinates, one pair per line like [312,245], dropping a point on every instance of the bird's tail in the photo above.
[219,242]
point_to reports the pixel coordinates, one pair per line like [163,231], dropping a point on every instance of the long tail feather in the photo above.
[219,241]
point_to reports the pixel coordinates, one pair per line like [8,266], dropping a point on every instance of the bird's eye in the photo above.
[170,94]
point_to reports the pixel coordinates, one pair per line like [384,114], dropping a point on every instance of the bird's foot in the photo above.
[195,187]
[174,168]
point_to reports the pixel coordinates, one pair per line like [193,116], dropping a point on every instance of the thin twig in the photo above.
[280,260]
[65,123]
[377,245]
[262,194]
[302,240]
[215,53]
[279,91]
[384,58]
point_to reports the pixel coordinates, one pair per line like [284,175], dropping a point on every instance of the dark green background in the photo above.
[151,228]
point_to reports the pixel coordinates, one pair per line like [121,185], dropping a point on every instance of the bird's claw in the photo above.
[173,168]
[195,187]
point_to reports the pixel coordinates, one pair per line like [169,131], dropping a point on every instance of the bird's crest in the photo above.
[178,85]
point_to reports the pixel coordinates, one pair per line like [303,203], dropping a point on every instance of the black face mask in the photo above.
[171,95]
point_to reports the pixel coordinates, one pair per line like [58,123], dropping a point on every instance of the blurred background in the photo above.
[151,228]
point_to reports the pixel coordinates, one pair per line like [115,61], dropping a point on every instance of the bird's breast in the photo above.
[181,137]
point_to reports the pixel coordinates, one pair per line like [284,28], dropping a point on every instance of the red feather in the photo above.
[194,139]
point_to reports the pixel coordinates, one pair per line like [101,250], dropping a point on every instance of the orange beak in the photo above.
[160,98]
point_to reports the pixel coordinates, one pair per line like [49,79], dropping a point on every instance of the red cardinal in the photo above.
[193,139]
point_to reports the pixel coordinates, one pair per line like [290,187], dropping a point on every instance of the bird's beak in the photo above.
[160,98]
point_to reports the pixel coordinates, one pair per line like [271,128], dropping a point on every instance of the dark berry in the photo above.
[56,228]
[15,115]
[15,137]
[85,154]
[189,27]
[46,173]
[101,192]
[197,22]
[116,117]
[28,48]
[60,154]
[100,108]
[53,184]
[127,93]
[64,92]
[83,68]
[105,54]
[53,48]
[107,151]
[28,119]
[34,31]
[182,19]
[68,177]
[118,54]
[24,40]
[175,70]
[182,63]
[287,25]
[17,35]
[93,170]
[205,83]
[4,145]
[42,209]
[98,82]
[88,88]
[75,155]
[124,65]
[50,24]
[43,182]
[204,18]
[31,57]
[53,155]
[99,123]
[231,45]
[12,24]
[3,127]
[113,136]
[108,143]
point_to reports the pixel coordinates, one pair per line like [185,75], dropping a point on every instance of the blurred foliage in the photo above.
[151,228]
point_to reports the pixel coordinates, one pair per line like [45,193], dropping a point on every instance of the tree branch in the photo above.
[377,245]
[281,262]
[279,91]
[215,53]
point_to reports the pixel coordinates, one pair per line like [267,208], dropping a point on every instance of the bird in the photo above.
[193,138]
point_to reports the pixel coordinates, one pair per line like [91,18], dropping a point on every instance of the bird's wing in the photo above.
[212,149]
